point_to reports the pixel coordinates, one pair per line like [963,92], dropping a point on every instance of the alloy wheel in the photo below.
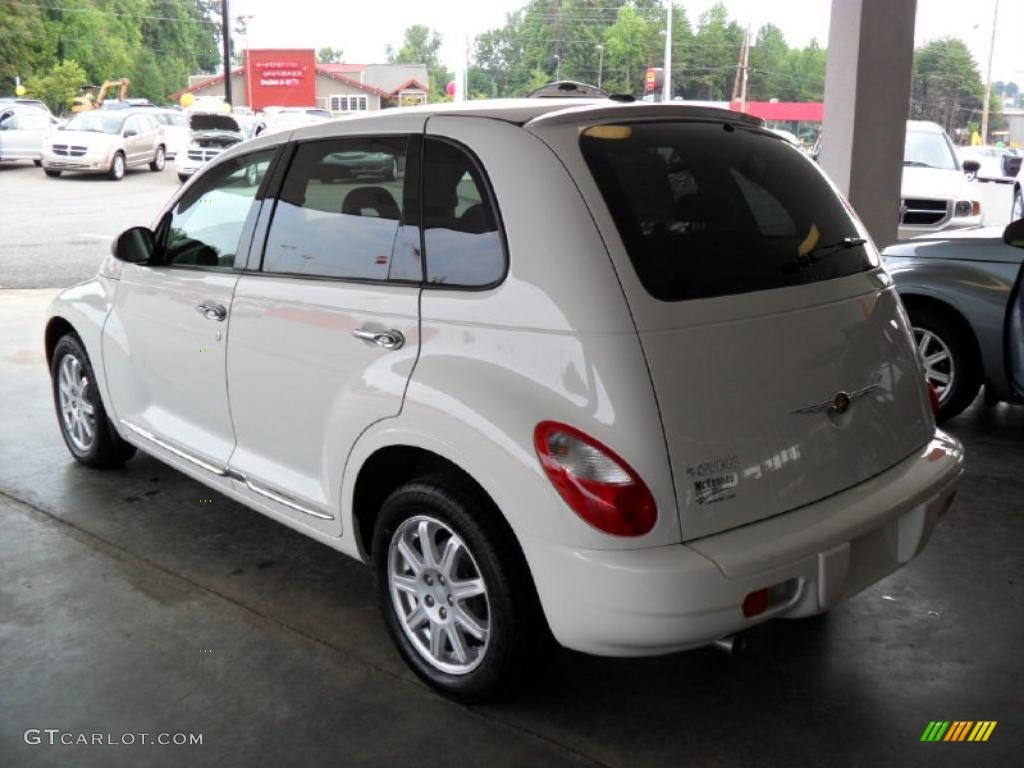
[161,158]
[118,166]
[78,415]
[937,360]
[439,595]
[1018,206]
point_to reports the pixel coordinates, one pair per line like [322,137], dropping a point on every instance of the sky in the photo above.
[363,29]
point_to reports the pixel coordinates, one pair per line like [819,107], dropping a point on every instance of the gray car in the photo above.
[22,131]
[962,292]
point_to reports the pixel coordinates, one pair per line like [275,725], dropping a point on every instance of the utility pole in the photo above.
[666,86]
[600,63]
[558,66]
[988,77]
[746,71]
[225,29]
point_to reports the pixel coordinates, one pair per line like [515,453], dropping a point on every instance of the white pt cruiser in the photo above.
[627,373]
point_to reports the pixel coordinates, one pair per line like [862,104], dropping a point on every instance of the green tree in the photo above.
[804,74]
[947,86]
[57,87]
[421,45]
[629,48]
[768,58]
[329,55]
[25,47]
[716,52]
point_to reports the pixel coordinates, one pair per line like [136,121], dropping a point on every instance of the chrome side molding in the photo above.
[179,452]
[278,497]
[268,493]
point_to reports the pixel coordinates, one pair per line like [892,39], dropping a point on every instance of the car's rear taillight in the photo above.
[598,485]
[933,397]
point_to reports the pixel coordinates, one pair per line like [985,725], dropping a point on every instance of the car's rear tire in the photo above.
[51,173]
[472,646]
[1017,209]
[949,357]
[38,163]
[183,177]
[159,159]
[116,171]
[83,422]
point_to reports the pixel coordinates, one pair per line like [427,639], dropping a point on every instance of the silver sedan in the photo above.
[963,294]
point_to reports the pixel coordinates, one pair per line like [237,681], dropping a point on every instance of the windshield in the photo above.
[929,149]
[706,209]
[96,122]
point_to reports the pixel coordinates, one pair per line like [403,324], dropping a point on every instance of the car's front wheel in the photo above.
[159,160]
[949,360]
[51,173]
[454,589]
[83,421]
[116,171]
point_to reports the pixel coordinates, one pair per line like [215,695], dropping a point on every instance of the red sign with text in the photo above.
[280,77]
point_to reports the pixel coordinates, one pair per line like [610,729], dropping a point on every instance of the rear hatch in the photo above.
[778,349]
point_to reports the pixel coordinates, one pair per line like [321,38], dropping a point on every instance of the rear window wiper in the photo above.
[815,255]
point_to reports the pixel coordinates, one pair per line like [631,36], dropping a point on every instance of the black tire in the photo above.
[183,177]
[38,163]
[51,173]
[516,627]
[159,159]
[965,363]
[1017,208]
[117,169]
[107,449]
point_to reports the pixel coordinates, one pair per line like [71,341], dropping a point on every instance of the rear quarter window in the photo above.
[713,209]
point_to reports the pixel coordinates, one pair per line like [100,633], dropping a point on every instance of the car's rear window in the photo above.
[712,209]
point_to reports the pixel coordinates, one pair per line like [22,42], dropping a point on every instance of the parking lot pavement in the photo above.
[55,232]
[111,583]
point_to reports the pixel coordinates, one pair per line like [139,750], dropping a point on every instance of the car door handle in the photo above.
[387,339]
[212,311]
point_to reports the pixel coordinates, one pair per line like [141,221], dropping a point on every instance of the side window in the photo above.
[131,124]
[206,224]
[460,230]
[340,212]
[10,122]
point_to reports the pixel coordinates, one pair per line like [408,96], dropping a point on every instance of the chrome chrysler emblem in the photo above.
[840,402]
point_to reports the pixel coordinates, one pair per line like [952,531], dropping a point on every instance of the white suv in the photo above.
[629,373]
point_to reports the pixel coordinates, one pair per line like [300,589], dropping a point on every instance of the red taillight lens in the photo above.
[933,397]
[598,485]
[755,603]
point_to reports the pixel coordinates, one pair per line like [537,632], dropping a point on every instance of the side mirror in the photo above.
[971,168]
[135,246]
[1014,233]
[129,132]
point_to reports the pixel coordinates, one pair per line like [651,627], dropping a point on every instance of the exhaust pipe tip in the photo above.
[731,645]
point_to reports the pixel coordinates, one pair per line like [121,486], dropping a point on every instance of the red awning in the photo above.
[785,111]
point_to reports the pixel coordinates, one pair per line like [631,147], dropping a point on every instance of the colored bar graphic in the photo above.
[935,730]
[958,730]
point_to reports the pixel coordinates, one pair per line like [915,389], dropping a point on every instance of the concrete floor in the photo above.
[128,605]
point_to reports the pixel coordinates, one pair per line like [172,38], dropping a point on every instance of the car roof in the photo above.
[546,111]
[925,126]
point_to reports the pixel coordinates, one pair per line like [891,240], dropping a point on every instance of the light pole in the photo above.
[600,63]
[666,88]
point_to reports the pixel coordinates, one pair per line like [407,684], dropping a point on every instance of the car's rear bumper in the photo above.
[651,601]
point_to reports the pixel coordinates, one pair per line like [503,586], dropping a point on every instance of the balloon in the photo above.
[19,90]
[187,100]
[451,88]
